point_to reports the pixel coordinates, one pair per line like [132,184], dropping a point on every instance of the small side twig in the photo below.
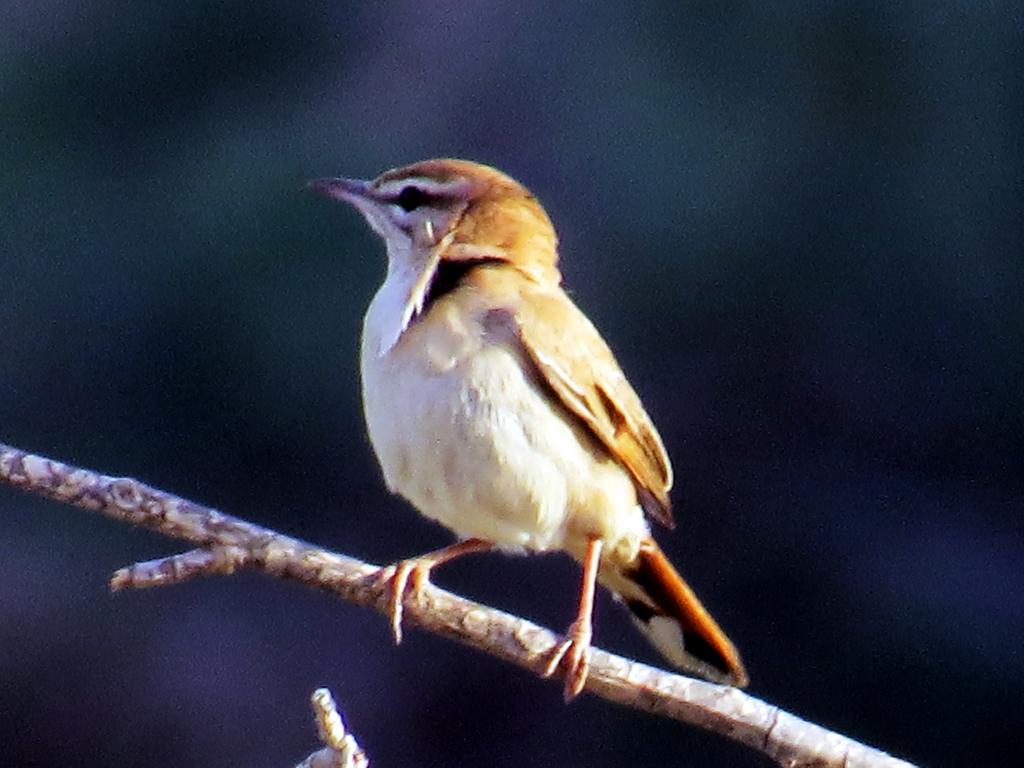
[226,543]
[217,560]
[340,748]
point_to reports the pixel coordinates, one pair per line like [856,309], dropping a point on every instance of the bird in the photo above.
[495,407]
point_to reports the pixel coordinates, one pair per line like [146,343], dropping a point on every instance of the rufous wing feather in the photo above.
[582,371]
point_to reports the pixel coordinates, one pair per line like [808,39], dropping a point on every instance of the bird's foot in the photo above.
[395,579]
[405,578]
[574,653]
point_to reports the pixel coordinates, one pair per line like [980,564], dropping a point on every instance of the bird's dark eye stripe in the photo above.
[411,198]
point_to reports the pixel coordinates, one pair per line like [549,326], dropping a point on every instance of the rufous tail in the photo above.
[668,612]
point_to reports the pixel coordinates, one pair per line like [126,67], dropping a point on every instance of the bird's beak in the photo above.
[348,190]
[357,193]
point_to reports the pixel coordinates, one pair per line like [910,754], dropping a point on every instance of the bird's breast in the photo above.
[464,431]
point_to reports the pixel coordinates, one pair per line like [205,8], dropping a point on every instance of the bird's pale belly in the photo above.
[473,443]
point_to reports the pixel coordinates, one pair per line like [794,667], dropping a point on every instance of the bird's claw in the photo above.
[395,579]
[574,653]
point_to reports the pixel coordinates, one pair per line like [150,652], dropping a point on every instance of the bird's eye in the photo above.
[411,198]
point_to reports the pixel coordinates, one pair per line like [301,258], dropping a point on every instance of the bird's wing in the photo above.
[580,369]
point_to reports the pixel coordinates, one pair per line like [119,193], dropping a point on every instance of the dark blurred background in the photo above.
[798,224]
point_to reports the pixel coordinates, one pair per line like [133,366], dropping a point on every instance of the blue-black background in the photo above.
[798,224]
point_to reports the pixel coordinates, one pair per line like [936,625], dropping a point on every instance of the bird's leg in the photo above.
[396,577]
[575,648]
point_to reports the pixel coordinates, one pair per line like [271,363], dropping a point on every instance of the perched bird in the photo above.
[495,407]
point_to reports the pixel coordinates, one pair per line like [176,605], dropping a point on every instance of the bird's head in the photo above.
[453,210]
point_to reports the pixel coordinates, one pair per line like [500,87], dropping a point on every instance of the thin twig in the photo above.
[227,542]
[340,748]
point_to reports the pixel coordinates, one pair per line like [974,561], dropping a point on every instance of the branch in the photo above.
[226,543]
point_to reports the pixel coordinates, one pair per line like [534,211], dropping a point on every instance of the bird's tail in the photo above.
[668,612]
